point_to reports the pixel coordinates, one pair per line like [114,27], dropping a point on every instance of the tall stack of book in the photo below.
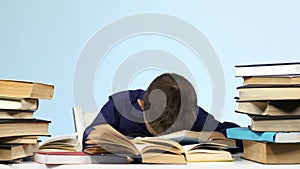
[19,129]
[270,96]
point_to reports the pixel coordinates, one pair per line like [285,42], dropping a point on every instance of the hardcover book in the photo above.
[272,80]
[23,127]
[19,140]
[244,133]
[269,108]
[18,104]
[271,153]
[13,152]
[269,92]
[16,114]
[275,123]
[292,68]
[25,89]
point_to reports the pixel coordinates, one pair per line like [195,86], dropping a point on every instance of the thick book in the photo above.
[272,80]
[269,92]
[275,123]
[61,143]
[57,158]
[19,104]
[104,139]
[270,69]
[19,140]
[269,108]
[271,153]
[25,89]
[16,114]
[244,133]
[14,152]
[23,127]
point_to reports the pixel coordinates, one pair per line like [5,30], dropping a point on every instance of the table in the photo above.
[238,163]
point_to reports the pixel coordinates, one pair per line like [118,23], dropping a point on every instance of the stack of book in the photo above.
[270,96]
[19,129]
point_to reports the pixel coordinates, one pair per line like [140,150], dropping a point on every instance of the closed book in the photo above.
[275,123]
[269,92]
[271,153]
[56,158]
[18,104]
[13,152]
[16,114]
[269,108]
[244,133]
[25,89]
[269,69]
[19,140]
[23,127]
[272,80]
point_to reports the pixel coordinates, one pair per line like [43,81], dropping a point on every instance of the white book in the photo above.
[287,137]
[272,69]
[18,104]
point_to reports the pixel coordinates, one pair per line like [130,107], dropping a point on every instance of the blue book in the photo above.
[244,133]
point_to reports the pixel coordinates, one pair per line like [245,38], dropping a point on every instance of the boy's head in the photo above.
[170,104]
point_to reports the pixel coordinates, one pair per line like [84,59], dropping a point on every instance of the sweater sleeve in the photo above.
[107,115]
[206,122]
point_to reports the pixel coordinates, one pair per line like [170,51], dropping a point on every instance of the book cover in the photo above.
[244,133]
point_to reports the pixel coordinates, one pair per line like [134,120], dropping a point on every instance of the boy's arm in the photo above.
[107,115]
[206,122]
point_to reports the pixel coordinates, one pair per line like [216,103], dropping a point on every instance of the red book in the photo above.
[77,158]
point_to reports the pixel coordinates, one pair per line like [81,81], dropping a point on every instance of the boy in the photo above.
[169,104]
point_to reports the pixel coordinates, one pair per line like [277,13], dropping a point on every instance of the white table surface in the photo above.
[238,163]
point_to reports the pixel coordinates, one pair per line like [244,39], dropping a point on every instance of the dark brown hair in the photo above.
[170,104]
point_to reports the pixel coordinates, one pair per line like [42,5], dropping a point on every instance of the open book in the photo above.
[64,143]
[185,137]
[69,142]
[106,140]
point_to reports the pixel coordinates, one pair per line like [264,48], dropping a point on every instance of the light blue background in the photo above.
[42,40]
